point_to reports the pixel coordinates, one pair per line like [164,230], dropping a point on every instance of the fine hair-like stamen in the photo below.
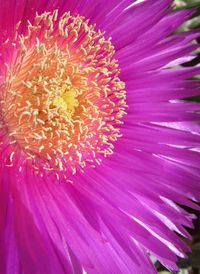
[63,99]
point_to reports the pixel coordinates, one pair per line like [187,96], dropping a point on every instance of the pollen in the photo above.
[63,100]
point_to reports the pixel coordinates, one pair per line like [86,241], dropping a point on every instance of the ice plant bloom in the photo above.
[98,149]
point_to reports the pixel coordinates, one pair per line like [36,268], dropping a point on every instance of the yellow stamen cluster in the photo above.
[63,99]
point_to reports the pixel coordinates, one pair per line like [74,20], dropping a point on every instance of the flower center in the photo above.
[66,102]
[62,99]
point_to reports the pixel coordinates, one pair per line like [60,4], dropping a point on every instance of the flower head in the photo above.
[98,148]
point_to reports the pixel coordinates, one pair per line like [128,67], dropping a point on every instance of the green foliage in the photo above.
[187,3]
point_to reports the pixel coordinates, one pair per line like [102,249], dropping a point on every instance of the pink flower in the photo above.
[98,151]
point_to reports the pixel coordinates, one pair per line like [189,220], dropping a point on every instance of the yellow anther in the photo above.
[64,98]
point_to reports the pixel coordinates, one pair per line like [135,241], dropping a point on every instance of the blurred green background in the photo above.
[187,3]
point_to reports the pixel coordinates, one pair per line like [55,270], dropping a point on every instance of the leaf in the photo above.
[187,3]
